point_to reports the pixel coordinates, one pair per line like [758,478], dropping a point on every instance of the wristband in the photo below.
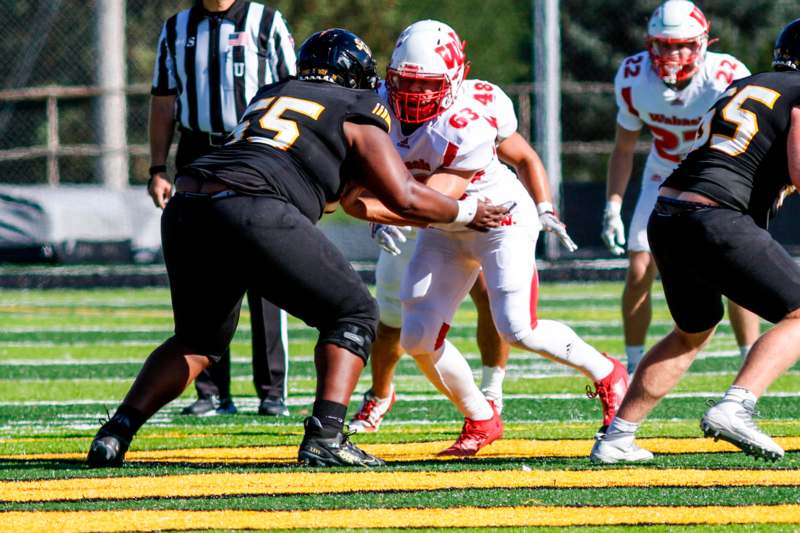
[156,169]
[467,209]
[613,208]
[544,207]
[466,212]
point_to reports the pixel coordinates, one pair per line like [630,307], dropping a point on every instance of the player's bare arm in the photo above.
[162,127]
[362,204]
[620,164]
[793,148]
[516,151]
[382,173]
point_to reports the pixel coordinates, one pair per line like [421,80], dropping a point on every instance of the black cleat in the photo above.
[107,450]
[270,406]
[320,450]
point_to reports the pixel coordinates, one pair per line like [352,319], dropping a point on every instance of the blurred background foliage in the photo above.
[51,42]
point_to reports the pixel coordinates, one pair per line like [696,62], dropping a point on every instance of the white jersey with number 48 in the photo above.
[465,138]
[672,116]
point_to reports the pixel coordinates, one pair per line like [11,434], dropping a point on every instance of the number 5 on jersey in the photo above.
[746,121]
[286,130]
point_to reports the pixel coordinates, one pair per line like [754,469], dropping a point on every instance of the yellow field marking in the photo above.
[413,451]
[77,522]
[317,482]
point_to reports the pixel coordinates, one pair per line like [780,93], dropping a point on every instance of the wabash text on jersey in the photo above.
[741,158]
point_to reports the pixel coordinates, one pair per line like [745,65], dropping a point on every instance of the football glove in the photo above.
[550,222]
[388,237]
[613,228]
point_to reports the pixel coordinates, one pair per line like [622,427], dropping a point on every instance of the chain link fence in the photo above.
[49,90]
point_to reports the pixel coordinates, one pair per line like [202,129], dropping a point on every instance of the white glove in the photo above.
[613,228]
[550,222]
[388,237]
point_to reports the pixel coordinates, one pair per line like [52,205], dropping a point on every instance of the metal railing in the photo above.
[54,148]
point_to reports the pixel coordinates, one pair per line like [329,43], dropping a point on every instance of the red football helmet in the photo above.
[677,38]
[425,73]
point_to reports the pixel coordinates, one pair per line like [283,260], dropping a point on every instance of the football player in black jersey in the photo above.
[708,235]
[244,218]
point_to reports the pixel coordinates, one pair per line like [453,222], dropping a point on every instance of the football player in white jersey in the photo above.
[449,129]
[397,245]
[667,88]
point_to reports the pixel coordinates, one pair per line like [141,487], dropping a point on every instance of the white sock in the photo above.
[739,394]
[743,351]
[449,372]
[492,382]
[621,431]
[560,343]
[634,354]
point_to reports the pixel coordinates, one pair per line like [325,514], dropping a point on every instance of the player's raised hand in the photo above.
[550,222]
[388,237]
[487,216]
[613,229]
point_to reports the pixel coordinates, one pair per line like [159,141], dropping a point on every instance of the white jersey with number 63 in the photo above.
[465,138]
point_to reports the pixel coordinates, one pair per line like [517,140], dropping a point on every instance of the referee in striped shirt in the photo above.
[210,61]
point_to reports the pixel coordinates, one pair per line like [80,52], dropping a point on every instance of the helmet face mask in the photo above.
[426,71]
[786,54]
[677,38]
[676,60]
[337,56]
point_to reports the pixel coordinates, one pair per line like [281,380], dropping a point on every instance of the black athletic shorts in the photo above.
[217,247]
[705,252]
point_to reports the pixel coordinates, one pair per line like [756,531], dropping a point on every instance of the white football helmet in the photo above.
[675,24]
[425,73]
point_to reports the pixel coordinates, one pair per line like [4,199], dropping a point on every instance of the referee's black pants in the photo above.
[269,356]
[270,363]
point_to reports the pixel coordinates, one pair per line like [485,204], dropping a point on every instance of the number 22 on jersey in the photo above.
[286,130]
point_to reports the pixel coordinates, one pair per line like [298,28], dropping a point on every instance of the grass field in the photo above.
[67,356]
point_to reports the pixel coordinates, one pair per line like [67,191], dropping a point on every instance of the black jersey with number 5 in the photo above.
[290,143]
[741,156]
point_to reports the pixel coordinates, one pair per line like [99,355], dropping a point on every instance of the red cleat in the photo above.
[476,434]
[611,390]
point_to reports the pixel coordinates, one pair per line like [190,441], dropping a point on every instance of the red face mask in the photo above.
[676,60]
[416,97]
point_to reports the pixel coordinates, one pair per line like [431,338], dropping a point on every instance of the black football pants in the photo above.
[270,364]
[216,248]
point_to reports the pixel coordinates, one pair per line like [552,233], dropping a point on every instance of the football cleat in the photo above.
[732,421]
[371,413]
[210,406]
[615,451]
[475,435]
[270,406]
[107,450]
[319,449]
[611,390]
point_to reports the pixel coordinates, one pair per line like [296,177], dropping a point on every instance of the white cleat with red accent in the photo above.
[371,413]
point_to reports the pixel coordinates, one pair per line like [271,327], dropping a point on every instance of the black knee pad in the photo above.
[353,337]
